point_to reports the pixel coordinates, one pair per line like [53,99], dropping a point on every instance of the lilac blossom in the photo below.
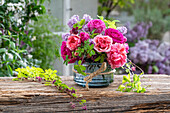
[150,52]
[145,52]
[74,19]
[85,28]
[87,18]
[65,36]
[140,30]
[122,29]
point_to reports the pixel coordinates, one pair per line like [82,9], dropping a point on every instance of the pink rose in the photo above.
[84,36]
[126,47]
[73,42]
[102,43]
[66,51]
[116,36]
[97,24]
[117,55]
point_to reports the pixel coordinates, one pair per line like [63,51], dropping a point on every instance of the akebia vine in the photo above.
[50,78]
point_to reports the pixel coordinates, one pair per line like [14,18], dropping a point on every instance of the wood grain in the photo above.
[29,96]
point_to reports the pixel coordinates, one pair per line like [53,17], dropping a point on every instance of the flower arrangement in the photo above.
[98,41]
[94,40]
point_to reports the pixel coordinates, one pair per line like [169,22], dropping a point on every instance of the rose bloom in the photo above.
[97,24]
[66,51]
[126,47]
[84,36]
[73,42]
[117,55]
[116,36]
[102,43]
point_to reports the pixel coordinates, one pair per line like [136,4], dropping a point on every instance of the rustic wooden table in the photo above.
[25,96]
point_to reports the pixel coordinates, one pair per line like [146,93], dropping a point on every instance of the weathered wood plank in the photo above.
[28,96]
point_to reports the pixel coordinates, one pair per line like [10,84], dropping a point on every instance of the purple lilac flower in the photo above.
[22,44]
[150,69]
[74,19]
[87,18]
[147,52]
[143,52]
[65,36]
[85,28]
[163,48]
[122,29]
[140,30]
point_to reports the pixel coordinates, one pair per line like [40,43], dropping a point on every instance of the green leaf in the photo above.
[1,17]
[35,1]
[82,68]
[76,67]
[9,33]
[100,17]
[83,101]
[15,79]
[9,70]
[21,63]
[92,52]
[2,25]
[4,57]
[75,25]
[116,21]
[121,87]
[143,90]
[82,22]
[135,78]
[66,57]
[83,73]
[124,81]
[74,95]
[80,27]
[92,46]
[155,68]
[16,54]
[102,58]
[97,59]
[12,45]
[42,1]
[126,78]
[79,62]
[93,31]
[2,50]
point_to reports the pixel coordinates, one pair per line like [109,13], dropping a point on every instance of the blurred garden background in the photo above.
[31,32]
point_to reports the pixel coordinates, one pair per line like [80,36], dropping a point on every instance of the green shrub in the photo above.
[47,43]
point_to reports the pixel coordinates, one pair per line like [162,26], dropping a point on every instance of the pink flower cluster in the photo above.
[102,43]
[96,24]
[108,41]
[117,55]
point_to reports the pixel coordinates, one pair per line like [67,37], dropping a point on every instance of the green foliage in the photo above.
[47,43]
[79,24]
[108,23]
[50,77]
[156,17]
[129,85]
[11,56]
[15,36]
[154,11]
[80,68]
[109,5]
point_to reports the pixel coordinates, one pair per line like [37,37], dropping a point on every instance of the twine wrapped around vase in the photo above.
[98,72]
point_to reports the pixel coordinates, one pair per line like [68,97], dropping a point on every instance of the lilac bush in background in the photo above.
[140,30]
[152,56]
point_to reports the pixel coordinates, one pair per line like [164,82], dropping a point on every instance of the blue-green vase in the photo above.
[97,81]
